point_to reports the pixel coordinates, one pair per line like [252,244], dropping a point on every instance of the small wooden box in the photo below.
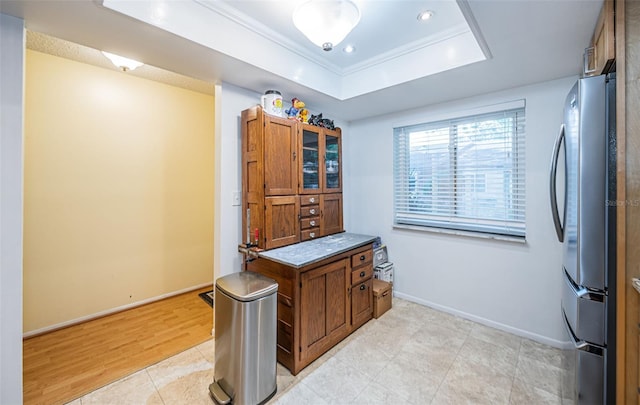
[382,294]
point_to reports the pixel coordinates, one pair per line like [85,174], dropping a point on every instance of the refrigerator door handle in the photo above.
[552,185]
[580,344]
[577,343]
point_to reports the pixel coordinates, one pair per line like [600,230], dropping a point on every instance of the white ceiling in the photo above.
[375,35]
[253,44]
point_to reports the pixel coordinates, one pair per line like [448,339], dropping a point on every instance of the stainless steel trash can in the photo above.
[245,339]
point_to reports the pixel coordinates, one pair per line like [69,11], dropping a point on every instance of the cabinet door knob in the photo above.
[312,211]
[312,200]
[362,287]
[362,258]
[312,223]
[362,273]
[312,234]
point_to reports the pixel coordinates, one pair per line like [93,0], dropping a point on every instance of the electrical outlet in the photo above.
[235,198]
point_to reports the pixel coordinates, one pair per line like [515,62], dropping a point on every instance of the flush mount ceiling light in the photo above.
[122,62]
[326,23]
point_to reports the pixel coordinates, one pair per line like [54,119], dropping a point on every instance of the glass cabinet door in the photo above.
[310,161]
[332,175]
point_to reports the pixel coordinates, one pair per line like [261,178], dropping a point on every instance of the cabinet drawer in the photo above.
[306,223]
[310,233]
[309,211]
[361,258]
[309,199]
[361,274]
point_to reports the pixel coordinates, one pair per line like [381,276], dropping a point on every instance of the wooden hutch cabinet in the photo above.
[291,180]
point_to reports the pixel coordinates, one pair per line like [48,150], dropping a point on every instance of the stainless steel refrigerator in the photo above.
[585,220]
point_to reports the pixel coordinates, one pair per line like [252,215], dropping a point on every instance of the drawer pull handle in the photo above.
[362,258]
[312,223]
[362,273]
[312,211]
[312,200]
[362,287]
[312,234]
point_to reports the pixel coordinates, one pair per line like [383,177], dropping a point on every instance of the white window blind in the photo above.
[464,174]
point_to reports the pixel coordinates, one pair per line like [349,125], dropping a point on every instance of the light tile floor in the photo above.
[410,355]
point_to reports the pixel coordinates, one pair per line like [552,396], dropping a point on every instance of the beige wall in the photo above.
[118,190]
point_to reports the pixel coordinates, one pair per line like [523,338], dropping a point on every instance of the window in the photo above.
[463,174]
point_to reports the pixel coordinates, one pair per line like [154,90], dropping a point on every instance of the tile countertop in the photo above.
[305,253]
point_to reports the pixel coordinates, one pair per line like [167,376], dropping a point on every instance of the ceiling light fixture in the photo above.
[425,15]
[123,63]
[326,23]
[349,49]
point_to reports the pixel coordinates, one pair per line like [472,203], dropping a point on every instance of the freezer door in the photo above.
[586,158]
[584,371]
[585,312]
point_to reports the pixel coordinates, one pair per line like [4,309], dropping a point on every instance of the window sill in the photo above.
[479,235]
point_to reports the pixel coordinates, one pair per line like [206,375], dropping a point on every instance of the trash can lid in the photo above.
[246,285]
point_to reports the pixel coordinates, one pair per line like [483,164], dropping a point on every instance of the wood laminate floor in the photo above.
[65,364]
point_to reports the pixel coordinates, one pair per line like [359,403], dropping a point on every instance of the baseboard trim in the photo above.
[111,311]
[487,322]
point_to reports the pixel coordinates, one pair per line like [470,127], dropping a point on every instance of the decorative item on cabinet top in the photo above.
[272,104]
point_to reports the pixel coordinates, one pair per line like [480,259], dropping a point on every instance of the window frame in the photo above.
[512,225]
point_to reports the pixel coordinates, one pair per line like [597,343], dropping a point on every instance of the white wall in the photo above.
[228,229]
[508,285]
[11,101]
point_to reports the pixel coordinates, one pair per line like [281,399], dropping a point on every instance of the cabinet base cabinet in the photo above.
[362,303]
[324,309]
[317,305]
